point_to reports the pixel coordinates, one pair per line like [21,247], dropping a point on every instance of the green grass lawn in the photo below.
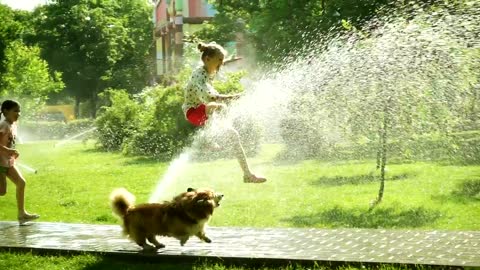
[74,181]
[13,261]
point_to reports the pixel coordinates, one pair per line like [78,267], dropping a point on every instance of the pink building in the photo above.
[172,18]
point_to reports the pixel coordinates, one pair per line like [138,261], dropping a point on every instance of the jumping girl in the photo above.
[201,100]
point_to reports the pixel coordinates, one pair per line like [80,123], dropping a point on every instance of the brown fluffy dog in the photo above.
[184,216]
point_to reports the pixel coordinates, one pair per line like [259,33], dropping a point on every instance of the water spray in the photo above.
[62,142]
[335,91]
[28,168]
[172,173]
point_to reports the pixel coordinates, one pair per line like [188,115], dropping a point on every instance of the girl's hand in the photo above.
[236,96]
[228,97]
[13,152]
[231,60]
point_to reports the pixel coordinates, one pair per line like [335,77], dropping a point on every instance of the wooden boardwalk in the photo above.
[265,245]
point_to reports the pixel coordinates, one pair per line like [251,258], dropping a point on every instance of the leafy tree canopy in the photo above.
[279,27]
[96,44]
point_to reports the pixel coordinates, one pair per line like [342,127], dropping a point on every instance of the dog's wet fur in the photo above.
[184,216]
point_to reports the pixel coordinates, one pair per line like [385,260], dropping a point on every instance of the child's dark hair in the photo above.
[211,49]
[8,105]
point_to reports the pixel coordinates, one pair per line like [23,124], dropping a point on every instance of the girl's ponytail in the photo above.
[211,49]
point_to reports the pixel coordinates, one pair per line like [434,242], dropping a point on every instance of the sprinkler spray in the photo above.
[28,168]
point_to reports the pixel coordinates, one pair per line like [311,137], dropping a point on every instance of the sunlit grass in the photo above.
[74,181]
[15,261]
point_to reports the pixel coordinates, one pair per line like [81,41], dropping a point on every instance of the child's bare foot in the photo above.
[22,219]
[252,178]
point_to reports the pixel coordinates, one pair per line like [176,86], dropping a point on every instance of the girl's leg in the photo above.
[248,176]
[210,109]
[20,183]
[3,184]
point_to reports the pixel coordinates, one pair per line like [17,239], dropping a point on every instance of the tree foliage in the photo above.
[96,44]
[413,77]
[278,27]
[24,75]
[153,124]
[10,30]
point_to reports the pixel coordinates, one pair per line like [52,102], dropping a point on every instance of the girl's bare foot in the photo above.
[22,219]
[252,178]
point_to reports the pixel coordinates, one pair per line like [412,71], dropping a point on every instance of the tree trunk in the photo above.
[383,161]
[77,107]
[379,149]
[382,155]
[94,103]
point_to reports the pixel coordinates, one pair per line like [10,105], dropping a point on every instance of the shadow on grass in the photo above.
[97,150]
[45,259]
[286,157]
[106,218]
[144,161]
[108,263]
[465,192]
[132,160]
[355,179]
[360,218]
[468,188]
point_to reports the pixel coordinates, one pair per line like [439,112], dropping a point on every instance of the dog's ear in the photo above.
[190,189]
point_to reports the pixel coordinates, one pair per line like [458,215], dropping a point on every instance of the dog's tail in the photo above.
[120,201]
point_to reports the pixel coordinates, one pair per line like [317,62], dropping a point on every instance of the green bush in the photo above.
[306,142]
[251,134]
[152,123]
[162,129]
[308,133]
[118,121]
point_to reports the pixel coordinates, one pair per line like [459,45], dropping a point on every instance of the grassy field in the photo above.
[12,261]
[74,181]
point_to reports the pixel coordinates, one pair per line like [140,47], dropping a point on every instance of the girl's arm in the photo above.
[4,149]
[8,151]
[223,97]
[213,95]
[207,92]
[231,60]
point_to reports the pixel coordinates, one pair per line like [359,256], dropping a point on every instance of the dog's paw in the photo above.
[148,248]
[206,239]
[183,241]
[159,246]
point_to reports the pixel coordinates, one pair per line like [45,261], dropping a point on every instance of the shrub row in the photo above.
[461,147]
[153,124]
